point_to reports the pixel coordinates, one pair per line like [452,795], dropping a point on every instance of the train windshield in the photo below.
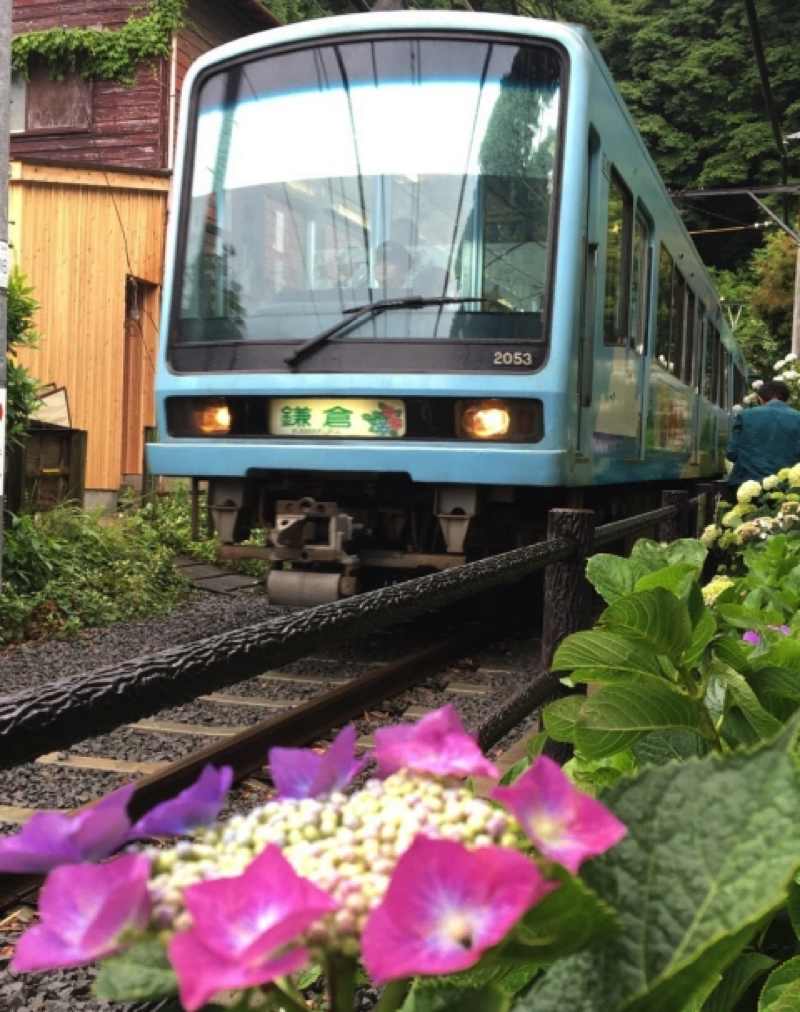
[332,177]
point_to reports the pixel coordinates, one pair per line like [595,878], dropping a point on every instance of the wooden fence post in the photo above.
[567,598]
[677,526]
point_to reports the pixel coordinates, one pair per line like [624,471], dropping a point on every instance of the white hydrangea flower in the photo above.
[751,399]
[791,357]
[791,374]
[737,408]
[757,384]
[770,482]
[780,364]
[747,491]
[710,535]
[794,475]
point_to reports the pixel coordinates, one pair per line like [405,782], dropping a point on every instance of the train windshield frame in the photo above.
[351,171]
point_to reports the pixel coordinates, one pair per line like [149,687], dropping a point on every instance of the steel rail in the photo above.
[57,716]
[247,751]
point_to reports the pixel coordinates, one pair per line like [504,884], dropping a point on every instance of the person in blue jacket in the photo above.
[764,439]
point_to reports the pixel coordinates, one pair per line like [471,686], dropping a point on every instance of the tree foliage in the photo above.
[22,399]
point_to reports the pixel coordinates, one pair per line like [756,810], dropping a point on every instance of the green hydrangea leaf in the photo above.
[712,846]
[655,618]
[676,579]
[567,920]
[743,972]
[612,576]
[763,723]
[618,716]
[560,717]
[782,990]
[142,973]
[451,998]
[597,650]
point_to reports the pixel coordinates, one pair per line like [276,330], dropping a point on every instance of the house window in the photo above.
[40,104]
[18,89]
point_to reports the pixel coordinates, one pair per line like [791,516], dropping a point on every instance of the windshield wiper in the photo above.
[366,311]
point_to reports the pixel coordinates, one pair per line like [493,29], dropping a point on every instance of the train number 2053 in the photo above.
[512,358]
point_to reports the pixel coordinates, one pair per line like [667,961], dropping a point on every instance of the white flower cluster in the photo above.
[715,587]
[710,535]
[347,846]
[748,490]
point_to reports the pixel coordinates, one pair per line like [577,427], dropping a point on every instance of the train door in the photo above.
[587,332]
[620,384]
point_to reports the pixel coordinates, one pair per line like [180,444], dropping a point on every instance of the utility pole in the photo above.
[5,113]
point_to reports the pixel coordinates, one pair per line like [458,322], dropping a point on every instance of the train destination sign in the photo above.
[348,417]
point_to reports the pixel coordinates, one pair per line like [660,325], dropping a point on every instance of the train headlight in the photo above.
[212,417]
[486,420]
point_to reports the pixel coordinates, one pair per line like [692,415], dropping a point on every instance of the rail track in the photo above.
[305,709]
[301,709]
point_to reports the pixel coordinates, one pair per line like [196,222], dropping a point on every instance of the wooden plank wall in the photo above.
[77,235]
[129,125]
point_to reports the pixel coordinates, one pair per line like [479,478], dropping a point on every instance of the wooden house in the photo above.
[90,172]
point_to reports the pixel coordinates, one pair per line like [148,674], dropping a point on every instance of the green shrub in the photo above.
[67,569]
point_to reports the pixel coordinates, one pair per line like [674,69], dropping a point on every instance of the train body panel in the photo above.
[329,173]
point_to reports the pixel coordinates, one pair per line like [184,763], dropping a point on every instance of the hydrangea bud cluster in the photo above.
[346,845]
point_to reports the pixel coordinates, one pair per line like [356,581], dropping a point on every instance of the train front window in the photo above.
[332,177]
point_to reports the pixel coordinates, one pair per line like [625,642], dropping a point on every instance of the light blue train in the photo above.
[424,283]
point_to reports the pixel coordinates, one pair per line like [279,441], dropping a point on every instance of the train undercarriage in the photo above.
[333,536]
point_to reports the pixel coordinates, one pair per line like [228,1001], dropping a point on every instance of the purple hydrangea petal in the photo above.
[445,906]
[202,975]
[303,773]
[241,925]
[751,637]
[565,825]
[437,744]
[49,839]
[85,910]
[193,808]
[339,765]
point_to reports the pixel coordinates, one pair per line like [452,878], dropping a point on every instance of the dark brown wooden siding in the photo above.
[128,126]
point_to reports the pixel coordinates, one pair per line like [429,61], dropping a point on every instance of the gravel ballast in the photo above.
[39,786]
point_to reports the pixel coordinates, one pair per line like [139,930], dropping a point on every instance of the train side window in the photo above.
[690,344]
[724,395]
[678,324]
[618,263]
[706,377]
[666,270]
[712,362]
[640,283]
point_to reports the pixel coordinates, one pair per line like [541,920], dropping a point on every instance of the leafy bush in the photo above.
[22,399]
[67,569]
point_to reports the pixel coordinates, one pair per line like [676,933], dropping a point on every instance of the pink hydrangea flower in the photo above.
[436,744]
[244,928]
[565,825]
[197,806]
[49,839]
[303,773]
[86,910]
[445,906]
